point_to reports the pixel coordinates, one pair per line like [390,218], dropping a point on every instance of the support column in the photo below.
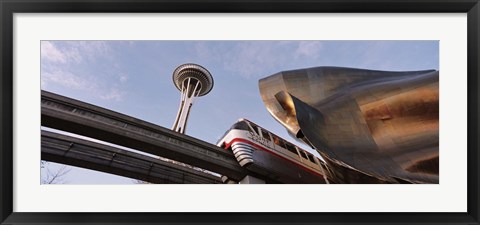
[251,180]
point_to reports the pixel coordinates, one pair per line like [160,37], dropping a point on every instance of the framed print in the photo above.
[349,112]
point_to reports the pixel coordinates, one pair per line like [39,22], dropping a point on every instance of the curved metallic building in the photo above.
[370,126]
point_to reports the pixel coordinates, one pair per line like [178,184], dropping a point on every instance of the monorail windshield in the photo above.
[241,125]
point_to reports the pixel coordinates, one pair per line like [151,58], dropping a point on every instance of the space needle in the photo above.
[192,81]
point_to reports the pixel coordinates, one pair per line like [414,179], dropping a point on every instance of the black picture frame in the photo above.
[9,7]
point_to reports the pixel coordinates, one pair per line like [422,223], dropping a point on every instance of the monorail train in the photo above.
[271,157]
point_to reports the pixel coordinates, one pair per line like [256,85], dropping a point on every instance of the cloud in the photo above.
[253,59]
[244,58]
[309,49]
[123,78]
[89,84]
[90,50]
[68,80]
[113,94]
[67,52]
[89,66]
[50,52]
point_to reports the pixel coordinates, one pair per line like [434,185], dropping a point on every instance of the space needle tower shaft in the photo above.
[192,81]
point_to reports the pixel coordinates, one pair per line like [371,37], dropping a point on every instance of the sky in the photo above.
[135,78]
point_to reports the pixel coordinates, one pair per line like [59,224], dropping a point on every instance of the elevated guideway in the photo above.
[73,151]
[81,118]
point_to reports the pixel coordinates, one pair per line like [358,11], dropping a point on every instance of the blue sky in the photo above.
[135,78]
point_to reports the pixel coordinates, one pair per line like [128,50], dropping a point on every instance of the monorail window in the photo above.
[278,141]
[310,157]
[265,135]
[304,155]
[291,148]
[255,128]
[240,126]
[288,147]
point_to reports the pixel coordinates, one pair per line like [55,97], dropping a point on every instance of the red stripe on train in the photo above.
[227,145]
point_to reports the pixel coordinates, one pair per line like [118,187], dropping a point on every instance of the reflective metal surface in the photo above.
[370,126]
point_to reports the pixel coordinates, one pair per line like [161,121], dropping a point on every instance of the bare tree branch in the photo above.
[53,177]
